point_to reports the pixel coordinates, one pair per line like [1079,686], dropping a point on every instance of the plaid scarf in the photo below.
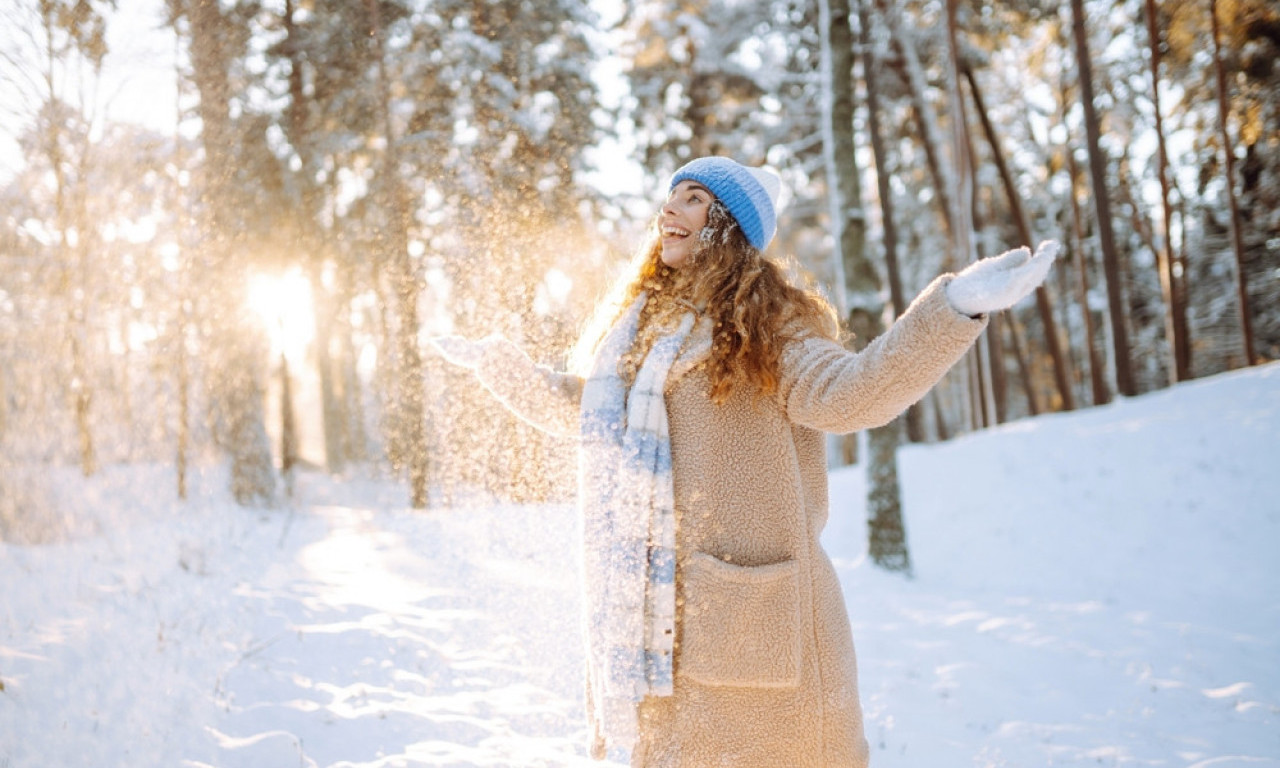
[629,527]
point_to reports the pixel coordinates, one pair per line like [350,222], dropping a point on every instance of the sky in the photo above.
[138,83]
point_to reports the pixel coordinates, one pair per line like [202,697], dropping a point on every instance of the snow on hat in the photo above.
[750,194]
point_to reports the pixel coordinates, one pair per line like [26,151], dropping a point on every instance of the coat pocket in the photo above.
[741,624]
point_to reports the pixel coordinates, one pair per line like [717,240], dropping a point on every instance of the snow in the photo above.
[1093,588]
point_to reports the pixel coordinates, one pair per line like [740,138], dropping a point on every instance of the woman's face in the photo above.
[682,219]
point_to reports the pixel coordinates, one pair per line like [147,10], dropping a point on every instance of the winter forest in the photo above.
[228,227]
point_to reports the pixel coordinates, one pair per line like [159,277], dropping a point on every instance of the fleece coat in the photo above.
[765,672]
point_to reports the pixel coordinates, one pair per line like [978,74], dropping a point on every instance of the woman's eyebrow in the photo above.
[693,187]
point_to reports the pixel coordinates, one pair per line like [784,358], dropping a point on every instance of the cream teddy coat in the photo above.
[765,673]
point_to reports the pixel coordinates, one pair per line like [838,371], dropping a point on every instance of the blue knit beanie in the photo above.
[750,194]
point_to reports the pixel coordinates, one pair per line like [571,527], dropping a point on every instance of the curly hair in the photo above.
[754,308]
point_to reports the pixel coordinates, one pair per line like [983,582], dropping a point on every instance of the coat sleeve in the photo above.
[826,387]
[544,398]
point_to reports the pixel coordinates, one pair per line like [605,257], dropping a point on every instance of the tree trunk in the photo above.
[1097,366]
[288,427]
[861,289]
[411,413]
[1097,381]
[961,150]
[182,372]
[886,533]
[1229,167]
[1175,316]
[986,410]
[308,222]
[184,402]
[870,74]
[1102,203]
[354,437]
[999,376]
[324,309]
[70,257]
[1024,370]
[931,137]
[990,346]
[83,396]
[1044,304]
[837,152]
[236,390]
[939,420]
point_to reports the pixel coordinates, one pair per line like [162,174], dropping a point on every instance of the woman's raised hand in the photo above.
[990,285]
[459,351]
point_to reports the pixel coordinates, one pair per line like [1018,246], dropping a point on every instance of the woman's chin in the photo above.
[674,256]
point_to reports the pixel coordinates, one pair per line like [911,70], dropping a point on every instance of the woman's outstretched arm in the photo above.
[826,387]
[545,398]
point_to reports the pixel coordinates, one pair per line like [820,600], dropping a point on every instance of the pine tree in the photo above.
[236,353]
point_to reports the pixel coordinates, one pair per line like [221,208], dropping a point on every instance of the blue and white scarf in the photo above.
[629,527]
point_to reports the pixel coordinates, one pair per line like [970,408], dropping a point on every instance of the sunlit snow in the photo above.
[1092,589]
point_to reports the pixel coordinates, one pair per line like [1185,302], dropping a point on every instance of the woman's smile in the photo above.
[683,216]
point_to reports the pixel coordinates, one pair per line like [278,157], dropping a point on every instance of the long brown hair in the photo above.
[755,309]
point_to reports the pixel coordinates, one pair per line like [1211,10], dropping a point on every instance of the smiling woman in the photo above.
[283,302]
[716,629]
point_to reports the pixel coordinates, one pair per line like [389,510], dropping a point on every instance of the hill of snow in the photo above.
[1095,588]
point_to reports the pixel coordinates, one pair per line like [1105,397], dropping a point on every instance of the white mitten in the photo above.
[459,351]
[990,285]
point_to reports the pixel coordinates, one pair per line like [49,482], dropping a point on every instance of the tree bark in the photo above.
[889,225]
[1102,202]
[841,168]
[307,219]
[965,216]
[1229,167]
[1175,316]
[927,117]
[236,382]
[1101,394]
[1097,381]
[861,290]
[70,257]
[288,426]
[184,402]
[1024,370]
[182,372]
[411,413]
[1044,304]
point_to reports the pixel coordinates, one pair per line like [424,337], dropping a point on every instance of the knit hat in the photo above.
[750,194]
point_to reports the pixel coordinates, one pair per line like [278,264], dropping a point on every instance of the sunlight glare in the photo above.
[283,301]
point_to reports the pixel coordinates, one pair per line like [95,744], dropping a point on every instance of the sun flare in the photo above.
[283,302]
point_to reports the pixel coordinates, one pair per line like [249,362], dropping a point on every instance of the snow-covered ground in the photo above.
[1098,588]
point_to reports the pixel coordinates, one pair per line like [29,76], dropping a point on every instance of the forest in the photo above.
[250,278]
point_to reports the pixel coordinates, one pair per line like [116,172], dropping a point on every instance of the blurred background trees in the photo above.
[329,182]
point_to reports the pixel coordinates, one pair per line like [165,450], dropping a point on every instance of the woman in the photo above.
[716,631]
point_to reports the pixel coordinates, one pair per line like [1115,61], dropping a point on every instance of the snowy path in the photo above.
[336,636]
[383,643]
